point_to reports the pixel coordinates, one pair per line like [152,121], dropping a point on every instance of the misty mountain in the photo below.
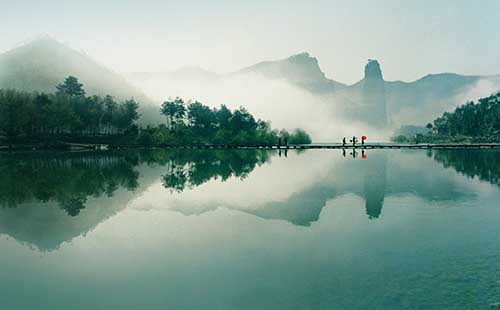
[301,70]
[43,63]
[428,97]
[415,102]
[372,100]
[375,100]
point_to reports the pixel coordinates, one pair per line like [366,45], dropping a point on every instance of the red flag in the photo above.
[363,138]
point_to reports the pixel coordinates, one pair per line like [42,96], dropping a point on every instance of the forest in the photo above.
[68,115]
[473,122]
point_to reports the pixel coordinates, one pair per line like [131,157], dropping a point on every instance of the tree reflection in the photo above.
[67,179]
[191,169]
[483,164]
[70,179]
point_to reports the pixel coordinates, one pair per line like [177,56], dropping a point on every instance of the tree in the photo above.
[201,118]
[174,111]
[71,87]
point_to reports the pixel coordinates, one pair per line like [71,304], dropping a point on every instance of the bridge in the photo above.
[381,145]
[329,146]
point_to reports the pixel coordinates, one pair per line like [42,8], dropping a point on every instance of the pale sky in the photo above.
[409,38]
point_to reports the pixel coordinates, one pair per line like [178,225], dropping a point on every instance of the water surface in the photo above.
[185,229]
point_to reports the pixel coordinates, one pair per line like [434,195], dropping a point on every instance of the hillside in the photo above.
[474,121]
[43,63]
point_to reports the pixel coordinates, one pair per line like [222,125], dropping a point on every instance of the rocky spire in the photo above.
[372,70]
[374,101]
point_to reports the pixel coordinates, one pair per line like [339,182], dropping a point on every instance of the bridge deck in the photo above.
[82,146]
[338,146]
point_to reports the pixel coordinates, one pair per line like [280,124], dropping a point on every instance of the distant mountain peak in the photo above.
[301,56]
[372,70]
[300,69]
[44,62]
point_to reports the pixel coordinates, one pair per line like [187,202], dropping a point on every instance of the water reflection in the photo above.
[34,186]
[67,179]
[483,164]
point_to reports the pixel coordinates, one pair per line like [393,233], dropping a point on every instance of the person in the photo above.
[363,138]
[354,141]
[279,141]
[343,142]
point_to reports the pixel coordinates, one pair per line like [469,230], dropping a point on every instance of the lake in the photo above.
[250,229]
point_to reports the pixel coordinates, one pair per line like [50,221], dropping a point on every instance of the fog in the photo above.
[482,88]
[283,104]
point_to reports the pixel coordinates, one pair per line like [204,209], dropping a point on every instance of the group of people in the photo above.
[354,140]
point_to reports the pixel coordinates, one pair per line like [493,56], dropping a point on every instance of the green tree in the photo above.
[71,87]
[174,111]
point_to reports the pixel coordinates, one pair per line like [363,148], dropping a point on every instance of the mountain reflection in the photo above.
[47,198]
[374,185]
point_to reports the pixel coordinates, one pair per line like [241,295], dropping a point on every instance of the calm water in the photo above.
[250,230]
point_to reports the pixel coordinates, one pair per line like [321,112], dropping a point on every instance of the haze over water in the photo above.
[250,230]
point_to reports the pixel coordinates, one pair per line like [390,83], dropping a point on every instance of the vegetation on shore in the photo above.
[69,115]
[469,123]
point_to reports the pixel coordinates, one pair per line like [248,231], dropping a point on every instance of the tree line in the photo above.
[68,115]
[472,122]
[195,123]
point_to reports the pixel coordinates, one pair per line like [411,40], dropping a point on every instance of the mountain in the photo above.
[375,101]
[43,63]
[301,70]
[378,102]
[372,100]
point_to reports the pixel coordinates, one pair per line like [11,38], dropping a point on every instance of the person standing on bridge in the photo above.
[363,138]
[343,142]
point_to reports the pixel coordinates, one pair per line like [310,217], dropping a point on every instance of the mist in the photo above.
[276,100]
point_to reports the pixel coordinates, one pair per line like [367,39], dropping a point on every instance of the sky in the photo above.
[409,38]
